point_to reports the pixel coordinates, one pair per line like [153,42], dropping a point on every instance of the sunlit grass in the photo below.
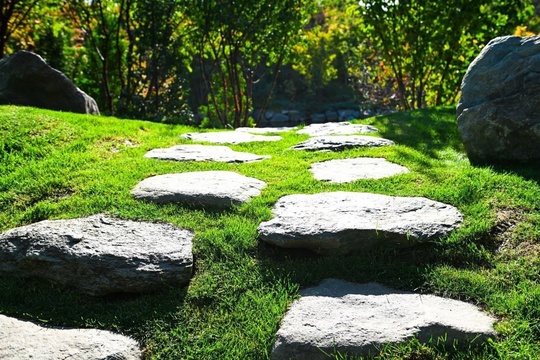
[60,165]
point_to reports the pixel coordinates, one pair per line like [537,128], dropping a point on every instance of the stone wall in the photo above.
[295,117]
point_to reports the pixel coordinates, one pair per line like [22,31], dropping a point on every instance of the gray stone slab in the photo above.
[220,189]
[341,222]
[99,255]
[25,340]
[229,137]
[203,153]
[356,319]
[340,128]
[265,130]
[337,143]
[347,170]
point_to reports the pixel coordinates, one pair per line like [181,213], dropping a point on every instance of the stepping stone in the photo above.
[339,128]
[25,340]
[265,130]
[228,137]
[356,319]
[99,255]
[203,153]
[341,222]
[337,143]
[206,188]
[347,170]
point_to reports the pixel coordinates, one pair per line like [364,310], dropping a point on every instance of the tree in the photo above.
[428,45]
[158,59]
[13,14]
[326,54]
[99,22]
[237,43]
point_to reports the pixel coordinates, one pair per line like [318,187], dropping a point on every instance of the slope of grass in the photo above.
[59,165]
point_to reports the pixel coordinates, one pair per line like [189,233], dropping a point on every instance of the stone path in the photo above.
[265,130]
[340,128]
[337,143]
[203,153]
[341,222]
[347,170]
[355,319]
[99,255]
[25,340]
[219,189]
[228,137]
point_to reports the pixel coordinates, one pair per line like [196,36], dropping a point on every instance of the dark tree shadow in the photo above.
[425,130]
[49,304]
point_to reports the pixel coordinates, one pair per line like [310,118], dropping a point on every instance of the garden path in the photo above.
[334,316]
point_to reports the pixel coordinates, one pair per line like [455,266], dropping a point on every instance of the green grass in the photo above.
[59,165]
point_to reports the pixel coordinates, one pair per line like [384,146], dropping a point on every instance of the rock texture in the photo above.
[356,319]
[228,137]
[206,188]
[340,128]
[25,340]
[499,109]
[341,222]
[26,79]
[347,170]
[203,153]
[99,255]
[337,143]
[265,130]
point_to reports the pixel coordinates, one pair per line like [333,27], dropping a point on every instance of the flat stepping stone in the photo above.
[347,170]
[25,340]
[99,255]
[203,153]
[356,319]
[220,189]
[339,128]
[228,137]
[265,130]
[341,222]
[338,143]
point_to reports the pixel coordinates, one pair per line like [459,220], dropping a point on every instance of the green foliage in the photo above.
[427,46]
[157,59]
[325,52]
[235,44]
[161,60]
[13,15]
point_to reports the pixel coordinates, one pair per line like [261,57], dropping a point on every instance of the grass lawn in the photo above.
[58,165]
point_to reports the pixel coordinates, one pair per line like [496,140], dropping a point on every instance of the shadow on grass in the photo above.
[52,305]
[399,268]
[425,130]
[526,171]
[404,269]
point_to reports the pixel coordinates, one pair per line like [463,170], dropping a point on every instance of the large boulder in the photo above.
[25,340]
[499,109]
[99,255]
[358,319]
[341,222]
[26,79]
